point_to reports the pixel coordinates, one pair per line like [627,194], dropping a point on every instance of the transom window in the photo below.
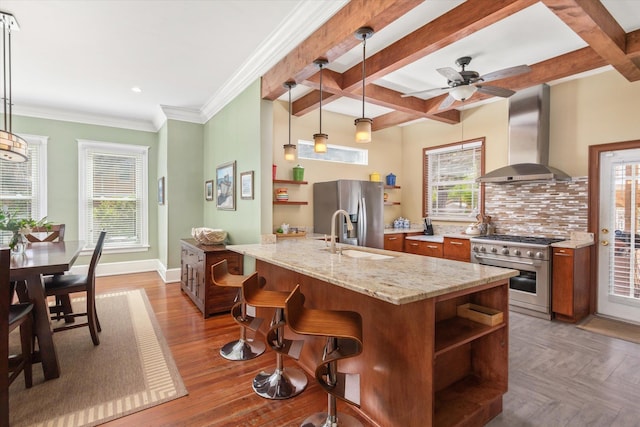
[335,153]
[113,194]
[450,188]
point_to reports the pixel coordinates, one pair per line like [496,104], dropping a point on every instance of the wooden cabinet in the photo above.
[570,283]
[457,249]
[394,242]
[195,278]
[419,247]
[289,202]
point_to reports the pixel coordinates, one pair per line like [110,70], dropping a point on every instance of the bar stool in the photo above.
[243,348]
[343,330]
[281,383]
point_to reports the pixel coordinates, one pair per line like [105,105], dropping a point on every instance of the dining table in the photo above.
[37,260]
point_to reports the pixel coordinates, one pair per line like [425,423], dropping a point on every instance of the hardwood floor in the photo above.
[559,375]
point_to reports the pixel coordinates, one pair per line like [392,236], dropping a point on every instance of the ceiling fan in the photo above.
[463,84]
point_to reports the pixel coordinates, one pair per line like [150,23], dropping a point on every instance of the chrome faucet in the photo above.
[333,227]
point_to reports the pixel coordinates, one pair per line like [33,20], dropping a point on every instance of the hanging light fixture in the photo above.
[12,147]
[363,124]
[289,148]
[463,92]
[320,139]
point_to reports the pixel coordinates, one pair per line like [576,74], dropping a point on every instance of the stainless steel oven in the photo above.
[530,291]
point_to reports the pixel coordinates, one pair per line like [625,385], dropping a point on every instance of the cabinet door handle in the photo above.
[413,244]
[456,243]
[432,247]
[561,254]
[392,238]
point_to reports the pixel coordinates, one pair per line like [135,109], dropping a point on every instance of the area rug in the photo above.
[612,328]
[132,369]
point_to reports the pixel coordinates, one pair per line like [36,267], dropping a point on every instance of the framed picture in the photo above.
[226,186]
[161,191]
[208,190]
[246,185]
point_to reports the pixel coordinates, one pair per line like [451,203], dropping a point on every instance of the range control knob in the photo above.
[529,253]
[494,250]
[475,249]
[517,252]
[504,251]
[483,249]
[539,255]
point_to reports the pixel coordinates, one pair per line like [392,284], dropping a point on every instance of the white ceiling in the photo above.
[78,60]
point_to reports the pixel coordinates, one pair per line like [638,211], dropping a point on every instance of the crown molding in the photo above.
[303,20]
[77,117]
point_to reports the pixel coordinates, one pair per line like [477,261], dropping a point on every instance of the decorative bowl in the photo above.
[209,236]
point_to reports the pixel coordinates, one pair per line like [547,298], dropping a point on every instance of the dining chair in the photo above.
[19,316]
[63,285]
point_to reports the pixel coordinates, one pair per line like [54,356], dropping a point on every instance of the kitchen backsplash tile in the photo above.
[544,209]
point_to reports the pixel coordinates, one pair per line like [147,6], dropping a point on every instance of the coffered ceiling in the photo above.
[78,60]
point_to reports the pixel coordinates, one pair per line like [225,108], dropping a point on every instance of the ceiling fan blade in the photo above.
[506,72]
[495,91]
[447,102]
[424,92]
[451,74]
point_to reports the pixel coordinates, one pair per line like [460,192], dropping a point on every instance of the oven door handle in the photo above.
[503,260]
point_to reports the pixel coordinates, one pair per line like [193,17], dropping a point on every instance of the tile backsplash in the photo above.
[543,209]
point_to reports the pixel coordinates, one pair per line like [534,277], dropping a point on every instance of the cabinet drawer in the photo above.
[418,247]
[457,249]
[394,242]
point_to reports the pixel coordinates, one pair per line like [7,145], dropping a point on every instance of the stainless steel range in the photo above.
[529,292]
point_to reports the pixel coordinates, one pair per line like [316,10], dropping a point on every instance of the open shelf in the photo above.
[464,402]
[279,202]
[456,331]
[391,187]
[391,203]
[288,181]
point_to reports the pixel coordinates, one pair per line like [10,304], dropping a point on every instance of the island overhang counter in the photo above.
[424,361]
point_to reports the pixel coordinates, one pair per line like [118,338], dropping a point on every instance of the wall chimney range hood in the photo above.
[528,140]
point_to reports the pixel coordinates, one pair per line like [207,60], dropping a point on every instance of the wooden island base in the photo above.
[422,364]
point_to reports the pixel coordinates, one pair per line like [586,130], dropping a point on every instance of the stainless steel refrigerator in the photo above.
[364,202]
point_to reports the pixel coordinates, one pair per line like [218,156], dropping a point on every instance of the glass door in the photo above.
[619,245]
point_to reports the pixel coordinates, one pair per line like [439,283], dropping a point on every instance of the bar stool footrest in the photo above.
[321,419]
[347,386]
[248,322]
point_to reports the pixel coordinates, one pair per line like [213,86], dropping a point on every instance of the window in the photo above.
[113,194]
[450,188]
[335,153]
[23,186]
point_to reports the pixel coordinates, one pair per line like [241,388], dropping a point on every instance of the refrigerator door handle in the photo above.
[362,223]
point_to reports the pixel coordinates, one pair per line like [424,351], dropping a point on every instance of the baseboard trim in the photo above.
[130,267]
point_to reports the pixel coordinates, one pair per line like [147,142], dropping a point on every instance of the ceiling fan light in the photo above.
[12,147]
[363,130]
[463,92]
[320,142]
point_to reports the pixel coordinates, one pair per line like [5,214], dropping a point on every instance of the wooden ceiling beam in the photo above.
[595,25]
[460,22]
[332,40]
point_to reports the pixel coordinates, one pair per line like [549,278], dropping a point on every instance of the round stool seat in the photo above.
[343,330]
[282,383]
[243,348]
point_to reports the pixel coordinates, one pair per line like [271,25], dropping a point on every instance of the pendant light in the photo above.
[289,148]
[12,147]
[320,139]
[363,124]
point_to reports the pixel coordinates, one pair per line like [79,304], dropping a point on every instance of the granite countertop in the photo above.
[577,240]
[426,238]
[402,279]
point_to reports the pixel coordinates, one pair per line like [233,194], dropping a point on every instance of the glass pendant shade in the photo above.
[320,142]
[12,147]
[460,93]
[289,152]
[363,130]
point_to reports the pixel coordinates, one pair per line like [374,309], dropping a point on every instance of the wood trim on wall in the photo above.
[593,225]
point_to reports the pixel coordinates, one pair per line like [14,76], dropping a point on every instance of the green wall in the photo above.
[235,134]
[62,173]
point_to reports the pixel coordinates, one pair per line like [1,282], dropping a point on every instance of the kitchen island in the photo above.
[424,361]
